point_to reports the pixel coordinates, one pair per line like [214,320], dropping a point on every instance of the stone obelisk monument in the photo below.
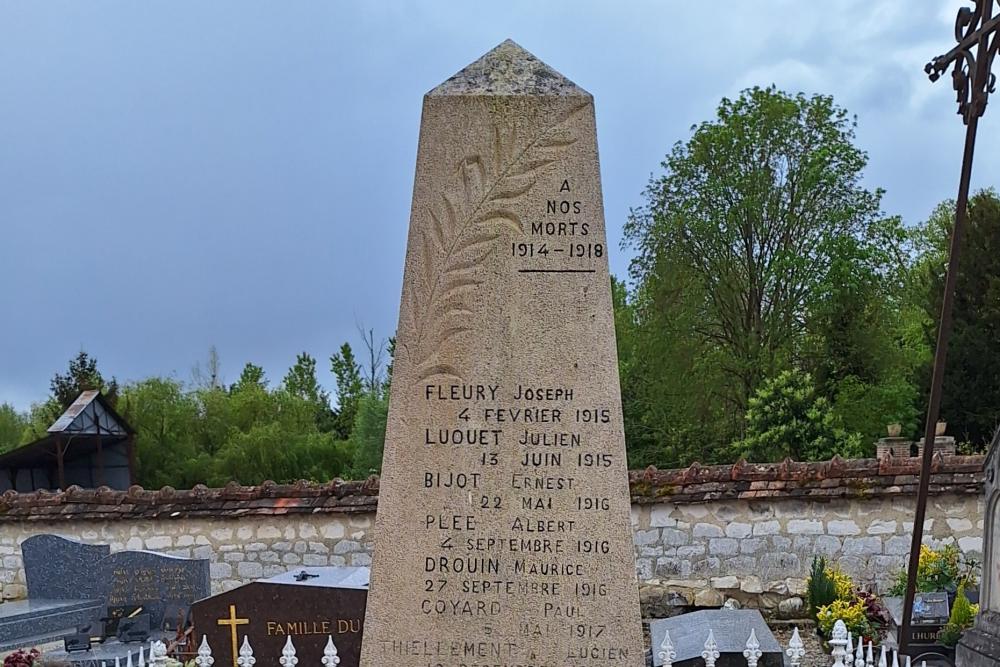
[503,533]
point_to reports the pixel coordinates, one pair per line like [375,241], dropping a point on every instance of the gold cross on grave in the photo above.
[232,622]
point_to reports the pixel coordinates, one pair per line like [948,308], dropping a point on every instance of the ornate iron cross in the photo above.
[971,61]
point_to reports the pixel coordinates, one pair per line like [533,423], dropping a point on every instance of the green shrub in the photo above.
[822,589]
[786,418]
[963,614]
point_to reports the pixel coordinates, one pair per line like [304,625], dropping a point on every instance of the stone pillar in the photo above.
[503,532]
[980,646]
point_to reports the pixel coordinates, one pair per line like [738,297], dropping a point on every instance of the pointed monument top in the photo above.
[508,70]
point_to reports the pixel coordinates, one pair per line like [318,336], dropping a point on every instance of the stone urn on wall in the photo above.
[894,430]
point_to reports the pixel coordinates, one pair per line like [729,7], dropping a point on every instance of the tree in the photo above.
[758,251]
[752,210]
[972,377]
[368,435]
[301,382]
[350,388]
[165,419]
[787,419]
[82,375]
[13,425]
[209,377]
[252,375]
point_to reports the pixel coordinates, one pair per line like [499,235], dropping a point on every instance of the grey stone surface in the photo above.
[59,569]
[508,70]
[153,581]
[980,647]
[27,622]
[521,341]
[731,628]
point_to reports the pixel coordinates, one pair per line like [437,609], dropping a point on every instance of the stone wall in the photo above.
[702,534]
[241,550]
[760,552]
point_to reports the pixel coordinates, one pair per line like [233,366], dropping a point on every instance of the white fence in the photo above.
[158,655]
[845,653]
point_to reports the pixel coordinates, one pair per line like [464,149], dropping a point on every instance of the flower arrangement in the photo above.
[834,596]
[21,658]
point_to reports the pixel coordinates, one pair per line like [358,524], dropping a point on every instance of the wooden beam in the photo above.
[60,464]
[100,462]
[131,459]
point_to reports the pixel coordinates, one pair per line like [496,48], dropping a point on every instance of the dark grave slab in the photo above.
[154,583]
[32,622]
[59,569]
[731,628]
[307,605]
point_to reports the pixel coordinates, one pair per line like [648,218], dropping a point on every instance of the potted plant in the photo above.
[894,430]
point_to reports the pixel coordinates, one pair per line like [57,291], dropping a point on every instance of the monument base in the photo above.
[979,648]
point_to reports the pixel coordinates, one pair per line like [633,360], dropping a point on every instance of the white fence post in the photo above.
[870,657]
[752,652]
[330,657]
[795,651]
[849,655]
[142,656]
[157,654]
[666,653]
[204,658]
[838,642]
[711,652]
[246,658]
[288,657]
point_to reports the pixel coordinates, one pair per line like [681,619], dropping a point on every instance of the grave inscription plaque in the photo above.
[503,531]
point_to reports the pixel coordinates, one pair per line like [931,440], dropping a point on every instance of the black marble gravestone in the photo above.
[308,605]
[731,628]
[155,583]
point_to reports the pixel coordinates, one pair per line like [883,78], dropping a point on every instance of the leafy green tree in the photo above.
[857,347]
[787,419]
[742,229]
[82,375]
[301,381]
[972,378]
[165,419]
[252,375]
[13,425]
[350,389]
[368,436]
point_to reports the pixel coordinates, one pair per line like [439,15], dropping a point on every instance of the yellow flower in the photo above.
[851,612]
[842,583]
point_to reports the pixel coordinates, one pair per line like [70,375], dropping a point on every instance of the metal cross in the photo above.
[976,34]
[233,622]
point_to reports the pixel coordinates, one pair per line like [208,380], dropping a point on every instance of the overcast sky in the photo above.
[176,175]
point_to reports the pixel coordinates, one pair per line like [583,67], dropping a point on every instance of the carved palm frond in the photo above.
[472,212]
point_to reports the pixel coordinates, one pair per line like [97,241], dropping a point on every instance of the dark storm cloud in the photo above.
[175,175]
